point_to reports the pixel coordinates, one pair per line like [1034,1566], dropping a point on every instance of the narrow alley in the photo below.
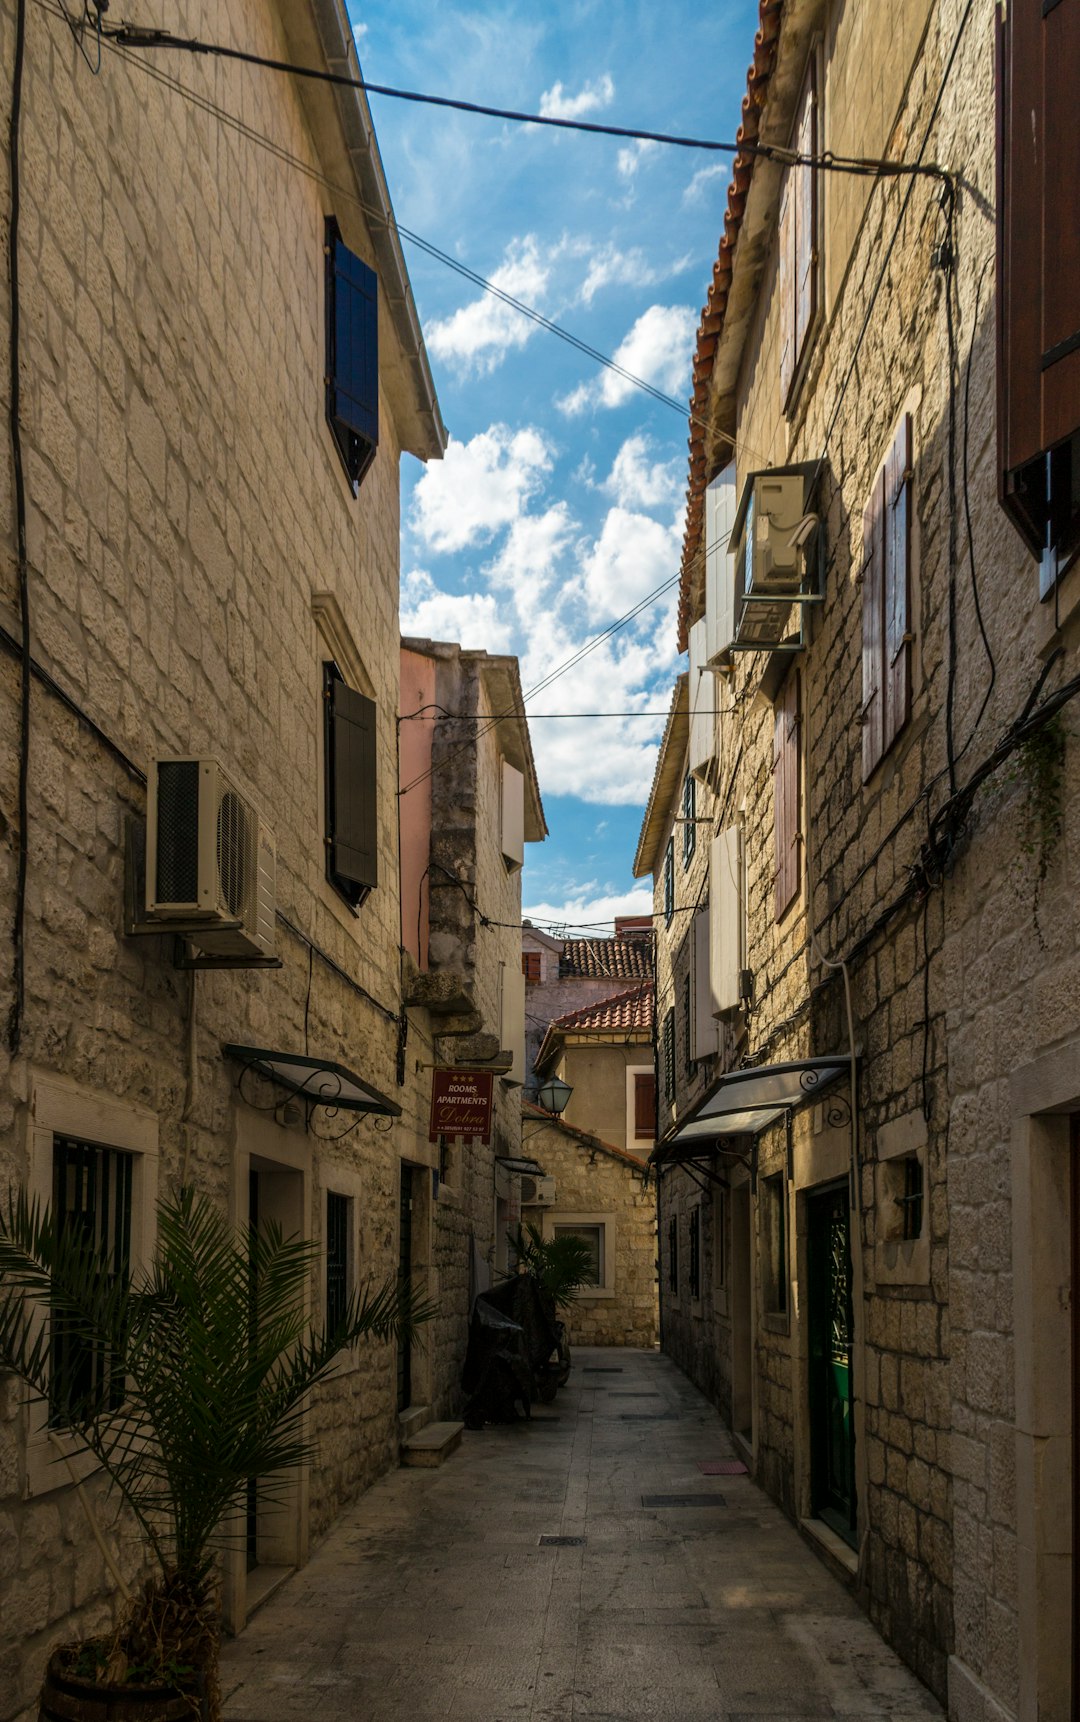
[683,1595]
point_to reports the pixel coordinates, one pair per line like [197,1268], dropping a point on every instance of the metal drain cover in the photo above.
[648,1416]
[722,1468]
[562,1542]
[634,1393]
[683,1501]
[602,1369]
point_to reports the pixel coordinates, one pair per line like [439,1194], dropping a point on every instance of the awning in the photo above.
[319,1081]
[530,1168]
[743,1103]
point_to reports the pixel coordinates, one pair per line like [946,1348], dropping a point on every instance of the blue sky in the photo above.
[560,503]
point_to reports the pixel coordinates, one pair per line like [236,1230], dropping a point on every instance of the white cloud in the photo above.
[478,487]
[528,560]
[359,32]
[657,350]
[610,267]
[704,178]
[475,338]
[632,556]
[593,909]
[635,481]
[469,617]
[630,159]
[558,104]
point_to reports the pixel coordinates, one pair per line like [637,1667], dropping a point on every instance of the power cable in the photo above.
[18,928]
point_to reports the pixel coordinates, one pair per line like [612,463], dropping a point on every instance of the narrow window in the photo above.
[530,967]
[774,1245]
[644,1106]
[912,1199]
[720,1237]
[338,1214]
[92,1199]
[688,1025]
[886,603]
[669,881]
[352,841]
[787,795]
[695,1252]
[593,1238]
[800,242]
[669,1056]
[673,1254]
[352,356]
[689,830]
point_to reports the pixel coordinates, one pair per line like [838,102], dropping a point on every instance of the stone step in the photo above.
[412,1420]
[432,1445]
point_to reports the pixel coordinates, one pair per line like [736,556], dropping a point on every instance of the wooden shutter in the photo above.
[896,669]
[644,1107]
[806,224]
[352,836]
[1038,259]
[786,793]
[352,354]
[873,607]
[786,243]
[530,966]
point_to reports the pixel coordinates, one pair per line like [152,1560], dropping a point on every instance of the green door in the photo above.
[832,1425]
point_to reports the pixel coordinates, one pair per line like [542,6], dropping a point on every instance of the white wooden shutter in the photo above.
[702,704]
[720,501]
[726,917]
[704,1038]
[513,815]
[512,1026]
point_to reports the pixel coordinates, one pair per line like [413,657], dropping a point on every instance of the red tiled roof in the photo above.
[629,1012]
[624,958]
[712,317]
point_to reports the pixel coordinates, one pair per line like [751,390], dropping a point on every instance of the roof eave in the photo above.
[665,778]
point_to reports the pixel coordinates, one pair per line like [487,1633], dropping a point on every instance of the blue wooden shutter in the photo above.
[352,355]
[352,832]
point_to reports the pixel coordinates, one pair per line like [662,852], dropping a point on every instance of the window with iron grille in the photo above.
[673,1254]
[669,1055]
[695,1253]
[338,1213]
[92,1199]
[912,1199]
[352,355]
[689,807]
[773,1219]
[688,1025]
[669,881]
[720,1237]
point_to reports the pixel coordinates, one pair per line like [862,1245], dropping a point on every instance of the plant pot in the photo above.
[66,1698]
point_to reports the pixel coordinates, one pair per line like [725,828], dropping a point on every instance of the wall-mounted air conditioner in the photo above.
[771,541]
[210,860]
[537,1192]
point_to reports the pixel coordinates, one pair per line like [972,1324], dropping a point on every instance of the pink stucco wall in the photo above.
[414,808]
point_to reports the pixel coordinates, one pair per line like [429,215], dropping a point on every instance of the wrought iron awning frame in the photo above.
[334,1080]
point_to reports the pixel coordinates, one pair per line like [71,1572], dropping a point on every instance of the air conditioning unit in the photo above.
[771,548]
[537,1192]
[210,860]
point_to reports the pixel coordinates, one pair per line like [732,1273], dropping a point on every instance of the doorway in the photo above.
[405,1248]
[829,1343]
[274,1197]
[742,1292]
[1074,1280]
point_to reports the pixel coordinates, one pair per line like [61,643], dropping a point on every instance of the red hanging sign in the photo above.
[461,1104]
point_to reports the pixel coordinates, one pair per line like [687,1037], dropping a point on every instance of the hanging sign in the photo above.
[461,1104]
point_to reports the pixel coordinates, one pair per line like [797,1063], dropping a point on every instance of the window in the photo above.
[669,1056]
[688,1025]
[695,1252]
[673,1255]
[720,1238]
[689,830]
[787,795]
[644,1106]
[352,865]
[352,356]
[91,1196]
[669,881]
[338,1218]
[886,603]
[593,1238]
[800,242]
[901,1183]
[774,1245]
[530,968]
[1038,261]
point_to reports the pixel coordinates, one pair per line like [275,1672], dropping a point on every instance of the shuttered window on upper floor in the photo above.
[352,827]
[800,238]
[886,602]
[352,355]
[644,1106]
[787,798]
[1038,276]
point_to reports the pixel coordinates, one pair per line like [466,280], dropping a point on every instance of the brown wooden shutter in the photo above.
[896,669]
[644,1107]
[1038,242]
[873,605]
[806,224]
[786,243]
[352,825]
[786,794]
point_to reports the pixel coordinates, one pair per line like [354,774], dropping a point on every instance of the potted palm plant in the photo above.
[203,1365]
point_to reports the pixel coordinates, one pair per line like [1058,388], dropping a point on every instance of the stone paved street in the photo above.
[433,1597]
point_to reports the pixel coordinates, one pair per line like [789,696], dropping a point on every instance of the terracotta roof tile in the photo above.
[712,317]
[623,958]
[629,1012]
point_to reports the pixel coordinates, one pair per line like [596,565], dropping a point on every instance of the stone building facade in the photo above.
[876,722]
[563,974]
[212,542]
[601,1194]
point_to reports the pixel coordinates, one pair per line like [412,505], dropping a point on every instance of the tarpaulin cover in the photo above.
[512,1335]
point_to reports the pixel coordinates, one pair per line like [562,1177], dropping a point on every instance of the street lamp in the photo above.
[554,1095]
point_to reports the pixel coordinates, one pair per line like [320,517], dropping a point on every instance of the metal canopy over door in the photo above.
[829,1321]
[404,1354]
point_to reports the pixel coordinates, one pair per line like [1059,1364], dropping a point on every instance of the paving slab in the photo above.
[434,1601]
